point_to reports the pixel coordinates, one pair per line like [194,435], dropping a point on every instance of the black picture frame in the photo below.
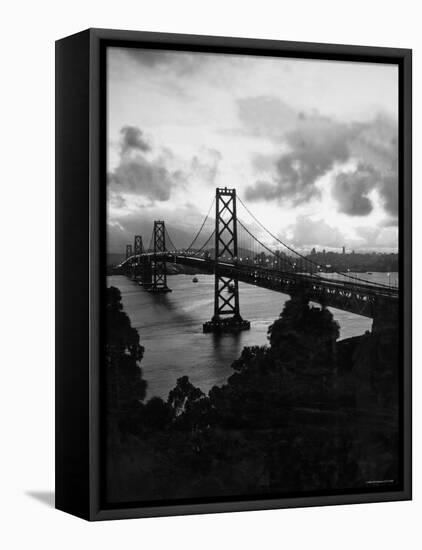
[80,262]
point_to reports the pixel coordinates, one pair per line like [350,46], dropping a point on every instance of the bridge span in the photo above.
[354,297]
[225,261]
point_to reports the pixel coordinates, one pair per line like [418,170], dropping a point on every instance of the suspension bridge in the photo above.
[232,252]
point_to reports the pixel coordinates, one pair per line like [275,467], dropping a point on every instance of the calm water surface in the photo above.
[170,328]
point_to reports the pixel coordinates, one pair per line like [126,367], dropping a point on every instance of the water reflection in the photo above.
[170,329]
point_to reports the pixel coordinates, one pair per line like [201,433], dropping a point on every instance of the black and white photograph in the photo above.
[252,289]
[210,275]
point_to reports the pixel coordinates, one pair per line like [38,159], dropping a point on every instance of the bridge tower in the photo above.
[159,269]
[226,316]
[128,251]
[138,247]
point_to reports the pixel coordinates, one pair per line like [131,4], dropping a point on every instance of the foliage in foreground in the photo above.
[302,414]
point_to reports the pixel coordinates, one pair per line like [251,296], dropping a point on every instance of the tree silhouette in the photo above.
[157,414]
[183,395]
[286,420]
[304,337]
[125,385]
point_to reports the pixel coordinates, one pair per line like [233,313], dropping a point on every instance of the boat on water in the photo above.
[195,280]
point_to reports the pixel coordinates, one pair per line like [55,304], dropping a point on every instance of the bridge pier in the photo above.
[145,269]
[135,270]
[226,316]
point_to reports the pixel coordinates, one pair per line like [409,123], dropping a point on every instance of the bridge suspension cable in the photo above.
[151,242]
[262,244]
[206,242]
[168,240]
[202,226]
[292,250]
[304,258]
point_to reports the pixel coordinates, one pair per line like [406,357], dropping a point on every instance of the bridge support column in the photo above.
[226,316]
[138,249]
[127,269]
[146,272]
[159,269]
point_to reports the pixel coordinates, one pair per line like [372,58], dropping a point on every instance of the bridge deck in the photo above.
[353,296]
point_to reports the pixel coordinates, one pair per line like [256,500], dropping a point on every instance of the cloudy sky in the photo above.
[310,146]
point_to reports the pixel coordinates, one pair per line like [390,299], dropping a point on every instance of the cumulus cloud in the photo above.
[149,178]
[390,192]
[377,237]
[205,165]
[306,232]
[150,58]
[351,190]
[376,146]
[313,148]
[140,171]
[182,63]
[314,145]
[116,201]
[132,138]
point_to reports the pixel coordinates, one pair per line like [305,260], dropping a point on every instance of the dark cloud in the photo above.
[150,58]
[262,191]
[149,178]
[140,174]
[351,190]
[205,165]
[133,139]
[312,150]
[182,63]
[312,146]
[146,171]
[376,145]
[390,193]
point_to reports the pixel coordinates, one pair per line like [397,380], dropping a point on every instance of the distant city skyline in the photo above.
[311,146]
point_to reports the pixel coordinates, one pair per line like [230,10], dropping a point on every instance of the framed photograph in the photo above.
[233,274]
